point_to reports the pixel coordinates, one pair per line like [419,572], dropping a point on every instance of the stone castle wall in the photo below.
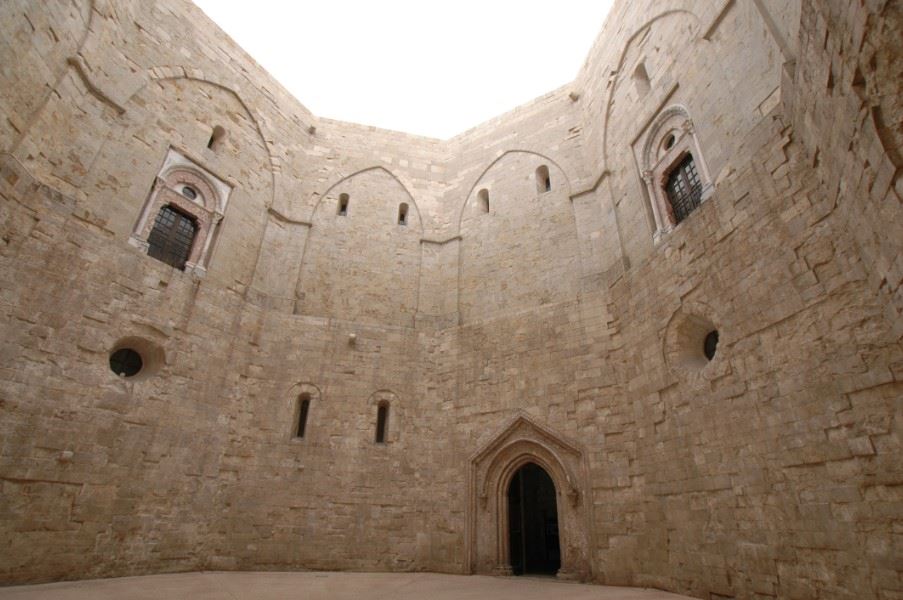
[771,471]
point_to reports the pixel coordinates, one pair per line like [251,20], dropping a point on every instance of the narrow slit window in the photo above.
[543,180]
[710,345]
[403,214]
[172,237]
[382,421]
[859,83]
[303,409]
[641,80]
[343,205]
[216,138]
[483,197]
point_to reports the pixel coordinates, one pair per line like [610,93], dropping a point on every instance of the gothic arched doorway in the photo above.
[517,455]
[533,522]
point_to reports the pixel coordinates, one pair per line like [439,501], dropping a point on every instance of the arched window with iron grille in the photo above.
[674,170]
[684,189]
[172,237]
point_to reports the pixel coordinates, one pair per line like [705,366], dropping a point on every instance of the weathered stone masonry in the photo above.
[562,326]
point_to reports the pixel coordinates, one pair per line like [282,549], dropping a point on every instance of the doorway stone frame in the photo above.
[523,440]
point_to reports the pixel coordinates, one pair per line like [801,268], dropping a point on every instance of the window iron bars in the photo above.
[684,189]
[171,238]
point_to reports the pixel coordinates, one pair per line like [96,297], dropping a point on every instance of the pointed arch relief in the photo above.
[523,441]
[46,63]
[331,192]
[380,285]
[164,73]
[618,70]
[880,72]
[163,116]
[519,248]
[478,184]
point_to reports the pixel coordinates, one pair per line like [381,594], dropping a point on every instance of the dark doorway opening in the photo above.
[533,522]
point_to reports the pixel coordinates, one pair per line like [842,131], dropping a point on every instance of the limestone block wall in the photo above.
[501,156]
[740,477]
[131,476]
[420,164]
[36,44]
[102,475]
[717,61]
[334,499]
[518,241]
[849,109]
[771,471]
[361,263]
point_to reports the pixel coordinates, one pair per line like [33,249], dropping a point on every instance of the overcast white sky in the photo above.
[429,68]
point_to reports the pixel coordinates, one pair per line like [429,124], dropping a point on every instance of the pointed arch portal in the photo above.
[527,512]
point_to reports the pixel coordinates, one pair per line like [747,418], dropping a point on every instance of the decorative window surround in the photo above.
[661,155]
[207,208]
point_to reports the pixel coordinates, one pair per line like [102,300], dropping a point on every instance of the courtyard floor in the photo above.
[323,586]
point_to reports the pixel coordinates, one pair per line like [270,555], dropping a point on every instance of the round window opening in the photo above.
[125,362]
[189,192]
[710,345]
[690,341]
[669,142]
